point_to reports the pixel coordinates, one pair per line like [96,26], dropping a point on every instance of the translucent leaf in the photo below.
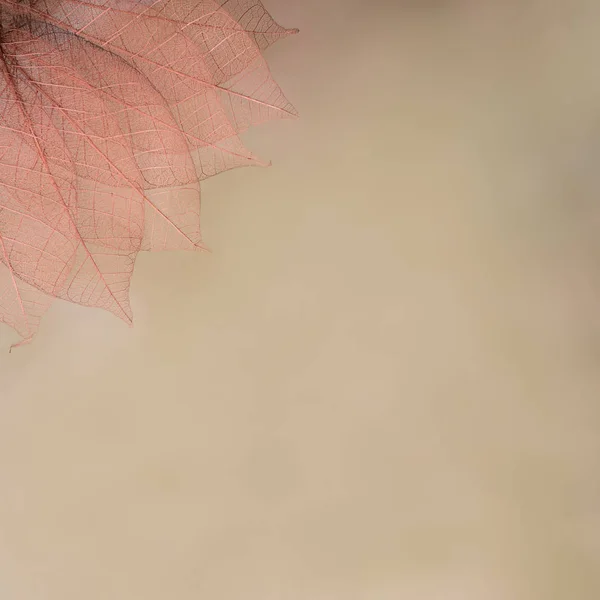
[111,113]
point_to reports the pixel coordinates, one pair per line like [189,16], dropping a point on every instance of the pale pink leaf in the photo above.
[111,113]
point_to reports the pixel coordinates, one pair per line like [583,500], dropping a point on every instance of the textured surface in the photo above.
[383,382]
[112,111]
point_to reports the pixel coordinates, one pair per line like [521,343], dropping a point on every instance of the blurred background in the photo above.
[383,382]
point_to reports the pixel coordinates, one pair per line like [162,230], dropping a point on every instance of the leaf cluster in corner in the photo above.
[111,114]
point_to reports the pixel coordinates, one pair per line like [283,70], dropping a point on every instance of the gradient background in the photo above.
[383,383]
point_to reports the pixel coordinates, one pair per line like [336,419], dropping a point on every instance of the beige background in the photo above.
[383,383]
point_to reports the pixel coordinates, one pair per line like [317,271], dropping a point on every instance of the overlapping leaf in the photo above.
[111,112]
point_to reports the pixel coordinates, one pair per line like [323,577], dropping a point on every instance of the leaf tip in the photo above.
[23,342]
[203,247]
